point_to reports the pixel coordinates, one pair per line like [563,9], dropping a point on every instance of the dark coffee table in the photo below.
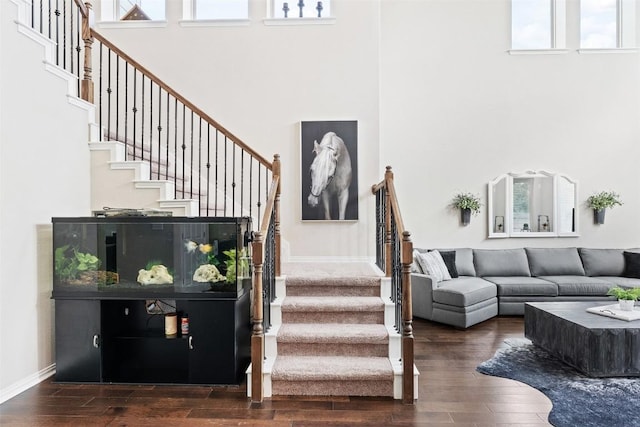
[596,345]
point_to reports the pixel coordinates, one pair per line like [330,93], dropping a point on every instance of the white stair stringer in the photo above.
[128,186]
[71,80]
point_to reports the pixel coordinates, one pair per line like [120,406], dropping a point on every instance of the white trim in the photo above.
[26,383]
[537,51]
[614,50]
[326,259]
[132,24]
[299,21]
[214,22]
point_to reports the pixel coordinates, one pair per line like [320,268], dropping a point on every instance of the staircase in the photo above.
[333,334]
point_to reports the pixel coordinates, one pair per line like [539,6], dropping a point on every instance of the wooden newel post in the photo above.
[407,321]
[257,336]
[86,88]
[388,247]
[277,168]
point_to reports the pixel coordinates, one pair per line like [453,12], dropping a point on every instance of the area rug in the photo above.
[577,399]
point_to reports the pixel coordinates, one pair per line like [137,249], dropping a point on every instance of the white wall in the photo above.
[457,110]
[260,81]
[44,172]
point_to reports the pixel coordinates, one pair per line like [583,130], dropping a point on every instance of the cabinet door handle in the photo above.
[190,342]
[96,341]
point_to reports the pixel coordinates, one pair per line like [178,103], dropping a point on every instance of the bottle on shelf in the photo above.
[184,325]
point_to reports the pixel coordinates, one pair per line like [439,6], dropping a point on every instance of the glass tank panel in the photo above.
[151,254]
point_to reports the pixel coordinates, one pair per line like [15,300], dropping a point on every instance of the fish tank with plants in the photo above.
[151,254]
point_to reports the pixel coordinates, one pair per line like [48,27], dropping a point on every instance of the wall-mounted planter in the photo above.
[598,216]
[465,216]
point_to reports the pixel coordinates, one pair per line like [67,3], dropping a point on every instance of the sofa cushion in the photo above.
[433,265]
[500,262]
[554,261]
[623,282]
[602,262]
[631,264]
[449,258]
[525,286]
[464,291]
[579,285]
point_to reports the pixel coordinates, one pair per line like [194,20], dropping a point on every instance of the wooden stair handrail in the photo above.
[83,8]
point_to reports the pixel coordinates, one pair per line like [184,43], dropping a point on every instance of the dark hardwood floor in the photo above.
[451,393]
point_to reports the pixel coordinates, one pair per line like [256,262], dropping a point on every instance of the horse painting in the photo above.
[330,174]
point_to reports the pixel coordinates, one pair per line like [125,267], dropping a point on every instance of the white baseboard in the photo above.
[26,383]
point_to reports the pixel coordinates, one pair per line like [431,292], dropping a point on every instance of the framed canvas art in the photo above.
[329,170]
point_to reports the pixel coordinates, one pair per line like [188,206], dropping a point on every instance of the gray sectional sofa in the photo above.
[493,282]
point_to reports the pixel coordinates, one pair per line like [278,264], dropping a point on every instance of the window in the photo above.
[132,10]
[607,24]
[301,9]
[215,9]
[538,24]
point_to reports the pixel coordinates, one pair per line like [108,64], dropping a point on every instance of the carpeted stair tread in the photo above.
[332,368]
[333,333]
[333,286]
[332,304]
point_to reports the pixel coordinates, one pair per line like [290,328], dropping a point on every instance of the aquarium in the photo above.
[151,254]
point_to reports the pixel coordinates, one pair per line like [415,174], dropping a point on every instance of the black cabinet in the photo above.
[78,340]
[119,341]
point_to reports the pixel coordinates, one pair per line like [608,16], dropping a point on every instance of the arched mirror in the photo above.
[532,204]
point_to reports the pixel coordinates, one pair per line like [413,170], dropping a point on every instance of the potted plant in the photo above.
[626,297]
[599,202]
[468,204]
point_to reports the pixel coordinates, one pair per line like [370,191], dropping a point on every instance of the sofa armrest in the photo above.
[422,295]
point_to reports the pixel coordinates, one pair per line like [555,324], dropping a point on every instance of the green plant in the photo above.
[68,265]
[231,264]
[467,201]
[625,294]
[603,200]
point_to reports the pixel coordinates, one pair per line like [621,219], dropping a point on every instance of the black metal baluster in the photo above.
[200,165]
[250,186]
[109,95]
[259,193]
[159,130]
[142,118]
[184,147]
[233,182]
[49,14]
[71,20]
[226,172]
[166,175]
[126,106]
[64,34]
[78,47]
[100,92]
[118,101]
[241,182]
[216,193]
[33,15]
[134,110]
[208,167]
[191,159]
[41,16]
[175,146]
[151,129]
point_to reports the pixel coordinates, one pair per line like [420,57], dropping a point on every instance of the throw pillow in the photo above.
[415,265]
[433,265]
[631,264]
[449,258]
